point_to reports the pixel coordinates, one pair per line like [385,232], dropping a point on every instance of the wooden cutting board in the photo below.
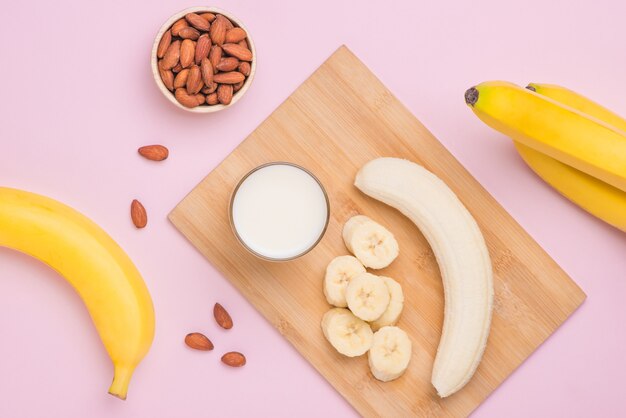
[337,120]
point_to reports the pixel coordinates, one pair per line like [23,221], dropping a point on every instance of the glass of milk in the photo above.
[279,211]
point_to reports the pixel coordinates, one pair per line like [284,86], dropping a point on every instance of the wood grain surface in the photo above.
[337,120]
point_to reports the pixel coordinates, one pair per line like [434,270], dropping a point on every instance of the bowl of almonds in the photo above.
[203,59]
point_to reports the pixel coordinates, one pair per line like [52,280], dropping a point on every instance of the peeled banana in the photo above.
[99,270]
[462,255]
[552,128]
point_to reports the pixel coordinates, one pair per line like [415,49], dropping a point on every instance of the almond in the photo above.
[215,56]
[138,214]
[198,341]
[234,359]
[197,22]
[171,56]
[235,35]
[228,64]
[225,93]
[164,43]
[199,98]
[209,89]
[167,76]
[244,68]
[206,70]
[185,99]
[220,314]
[210,17]
[203,47]
[181,78]
[243,43]
[178,25]
[238,51]
[218,30]
[187,52]
[177,68]
[232,77]
[194,80]
[238,86]
[228,23]
[211,99]
[189,33]
[154,152]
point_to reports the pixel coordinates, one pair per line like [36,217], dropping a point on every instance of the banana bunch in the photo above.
[574,144]
[99,270]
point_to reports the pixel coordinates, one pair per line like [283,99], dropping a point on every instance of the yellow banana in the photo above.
[100,271]
[554,129]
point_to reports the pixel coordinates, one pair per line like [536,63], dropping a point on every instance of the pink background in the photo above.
[78,99]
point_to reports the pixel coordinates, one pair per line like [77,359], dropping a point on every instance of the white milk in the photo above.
[279,211]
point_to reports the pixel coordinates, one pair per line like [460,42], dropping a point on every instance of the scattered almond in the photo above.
[203,46]
[197,22]
[198,341]
[164,43]
[235,35]
[234,359]
[187,52]
[228,64]
[221,316]
[194,80]
[154,152]
[232,77]
[171,56]
[225,93]
[218,30]
[238,51]
[138,214]
[181,78]
[177,26]
[189,33]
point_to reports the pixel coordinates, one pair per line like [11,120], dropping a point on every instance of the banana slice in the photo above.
[367,296]
[373,244]
[396,303]
[390,353]
[338,274]
[350,226]
[348,334]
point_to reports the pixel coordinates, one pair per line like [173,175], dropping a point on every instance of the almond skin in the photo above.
[228,64]
[238,51]
[210,17]
[218,30]
[203,47]
[171,56]
[185,99]
[199,98]
[164,43]
[177,26]
[225,93]
[167,76]
[197,22]
[189,33]
[215,56]
[138,214]
[194,80]
[243,43]
[198,341]
[211,99]
[232,77]
[187,52]
[154,152]
[177,68]
[181,78]
[234,359]
[228,23]
[244,68]
[235,35]
[222,317]
[209,89]
[206,70]
[237,87]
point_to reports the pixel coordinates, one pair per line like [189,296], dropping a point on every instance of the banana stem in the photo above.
[121,380]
